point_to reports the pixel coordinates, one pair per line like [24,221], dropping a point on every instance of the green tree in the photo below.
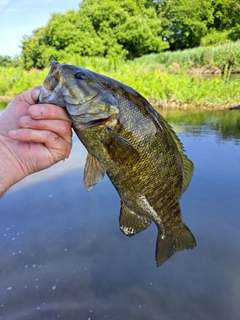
[132,25]
[185,22]
[106,28]
[73,33]
[7,61]
[226,14]
[32,49]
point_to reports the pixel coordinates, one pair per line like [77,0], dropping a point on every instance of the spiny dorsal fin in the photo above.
[130,222]
[93,172]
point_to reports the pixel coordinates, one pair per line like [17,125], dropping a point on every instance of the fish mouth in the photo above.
[89,122]
[51,96]
[51,86]
[98,122]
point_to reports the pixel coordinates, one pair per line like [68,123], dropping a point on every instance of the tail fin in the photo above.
[167,246]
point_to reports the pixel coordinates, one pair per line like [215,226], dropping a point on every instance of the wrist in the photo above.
[8,169]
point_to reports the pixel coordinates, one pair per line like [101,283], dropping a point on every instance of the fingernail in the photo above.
[24,121]
[36,111]
[12,133]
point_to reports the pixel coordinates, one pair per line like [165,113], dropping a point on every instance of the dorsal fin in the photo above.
[187,172]
[187,163]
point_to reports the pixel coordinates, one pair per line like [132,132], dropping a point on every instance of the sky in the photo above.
[21,17]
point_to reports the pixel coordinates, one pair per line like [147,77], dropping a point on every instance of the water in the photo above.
[63,256]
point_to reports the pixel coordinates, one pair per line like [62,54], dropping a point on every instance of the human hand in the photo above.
[32,137]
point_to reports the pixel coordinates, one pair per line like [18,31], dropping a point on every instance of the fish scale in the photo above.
[133,144]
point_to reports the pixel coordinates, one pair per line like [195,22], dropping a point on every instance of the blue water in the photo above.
[62,255]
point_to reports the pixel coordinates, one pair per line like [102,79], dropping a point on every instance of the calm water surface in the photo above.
[62,255]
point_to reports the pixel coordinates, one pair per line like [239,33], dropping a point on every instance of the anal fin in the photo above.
[130,222]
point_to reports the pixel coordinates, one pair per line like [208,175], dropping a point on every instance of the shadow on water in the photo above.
[63,256]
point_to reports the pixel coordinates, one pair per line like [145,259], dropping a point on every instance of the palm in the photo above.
[32,137]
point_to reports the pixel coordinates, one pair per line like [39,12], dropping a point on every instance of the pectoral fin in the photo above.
[130,222]
[119,148]
[93,172]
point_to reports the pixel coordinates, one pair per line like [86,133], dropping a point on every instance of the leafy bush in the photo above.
[214,38]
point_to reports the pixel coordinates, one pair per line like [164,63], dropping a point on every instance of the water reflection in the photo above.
[198,122]
[63,257]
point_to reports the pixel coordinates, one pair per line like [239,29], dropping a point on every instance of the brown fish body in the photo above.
[134,145]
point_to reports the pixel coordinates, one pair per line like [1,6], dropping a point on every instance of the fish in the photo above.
[133,144]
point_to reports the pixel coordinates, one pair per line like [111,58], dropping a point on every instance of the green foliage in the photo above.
[234,33]
[226,14]
[107,28]
[7,61]
[33,48]
[218,56]
[131,24]
[13,81]
[214,38]
[185,21]
[126,29]
[149,78]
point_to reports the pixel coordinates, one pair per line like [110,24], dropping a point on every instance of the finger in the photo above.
[60,127]
[48,111]
[34,93]
[30,96]
[52,141]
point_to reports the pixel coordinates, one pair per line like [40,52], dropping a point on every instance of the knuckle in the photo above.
[66,128]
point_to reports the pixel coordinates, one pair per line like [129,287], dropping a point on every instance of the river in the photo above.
[64,257]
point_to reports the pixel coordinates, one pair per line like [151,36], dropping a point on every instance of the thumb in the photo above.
[30,96]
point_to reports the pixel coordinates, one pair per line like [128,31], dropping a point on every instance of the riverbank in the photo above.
[158,104]
[172,105]
[163,87]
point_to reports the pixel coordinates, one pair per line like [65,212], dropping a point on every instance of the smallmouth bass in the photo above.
[134,145]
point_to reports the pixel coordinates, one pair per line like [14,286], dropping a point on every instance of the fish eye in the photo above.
[80,75]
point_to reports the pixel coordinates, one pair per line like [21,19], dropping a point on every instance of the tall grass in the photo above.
[150,79]
[181,89]
[220,56]
[16,80]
